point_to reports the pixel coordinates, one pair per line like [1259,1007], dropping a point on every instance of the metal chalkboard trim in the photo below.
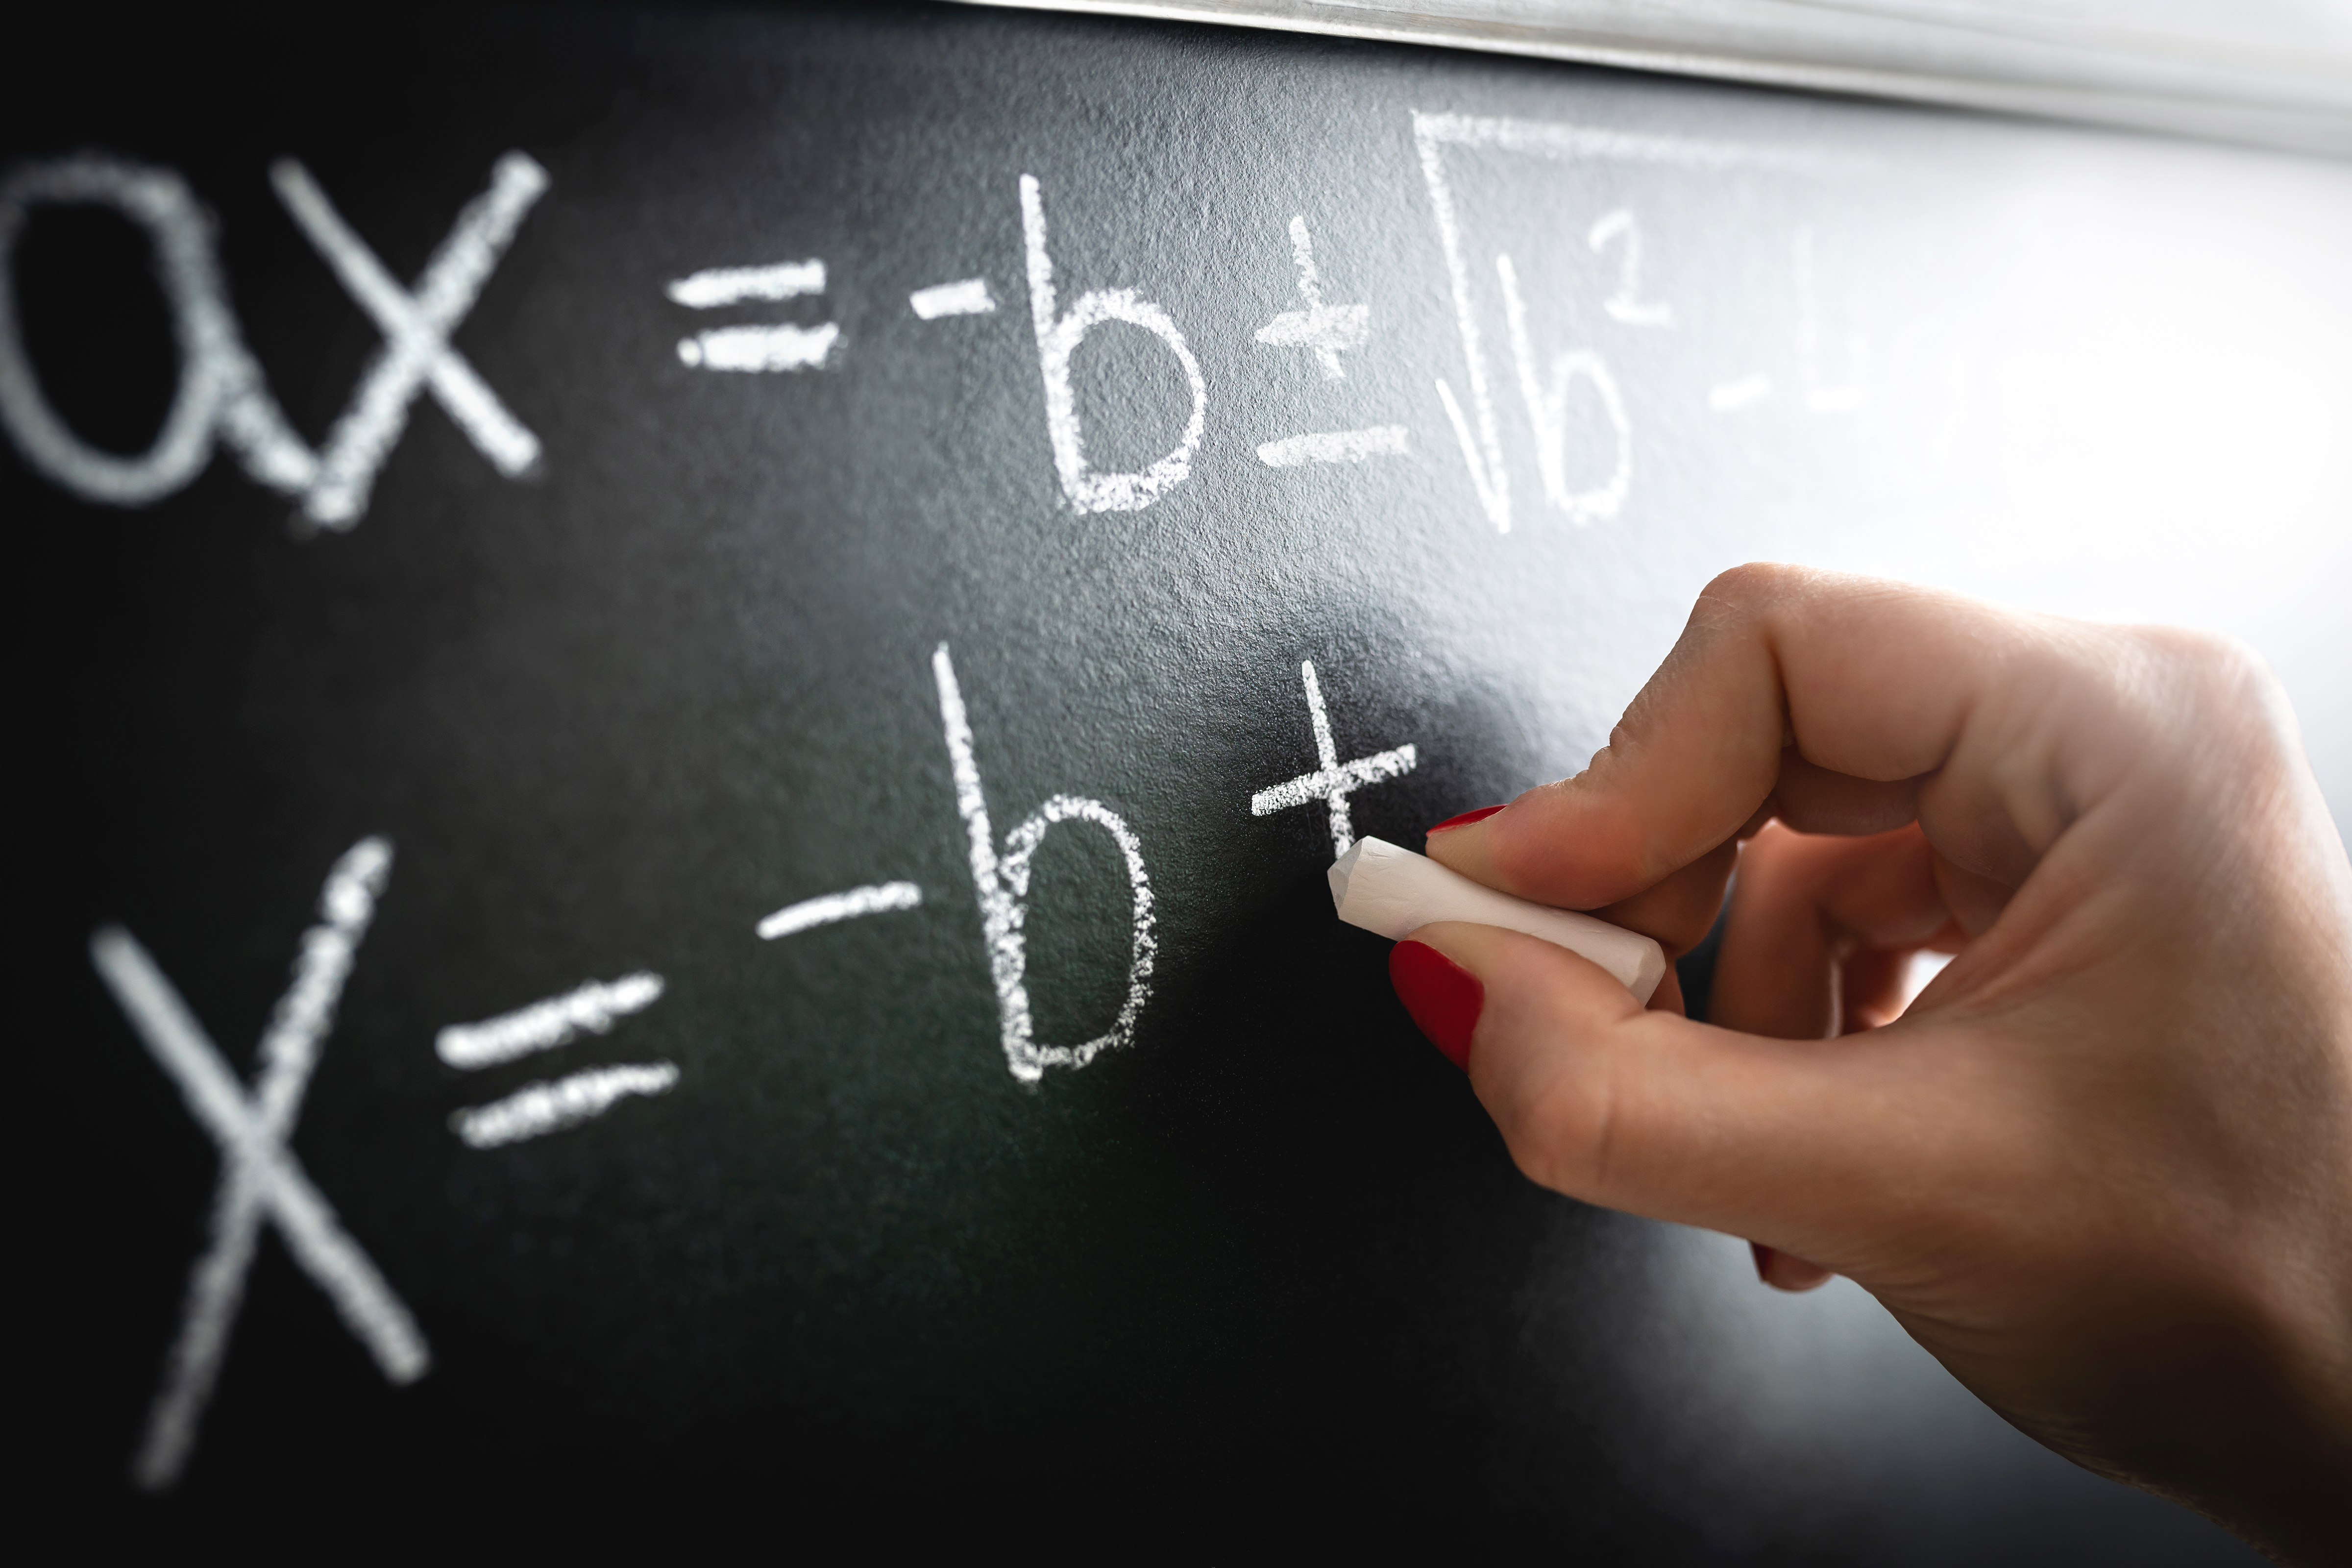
[2277,74]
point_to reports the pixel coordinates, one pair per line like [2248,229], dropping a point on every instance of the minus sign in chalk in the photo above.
[1395,892]
[810,913]
[968,297]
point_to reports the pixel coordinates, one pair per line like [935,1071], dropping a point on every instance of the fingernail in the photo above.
[1467,818]
[1763,1257]
[1444,997]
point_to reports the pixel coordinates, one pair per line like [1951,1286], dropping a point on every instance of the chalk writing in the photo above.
[539,1108]
[1001,883]
[416,325]
[1058,336]
[1547,401]
[1626,303]
[1582,443]
[810,913]
[781,346]
[593,1008]
[1334,446]
[715,285]
[222,395]
[1477,429]
[1333,780]
[1326,330]
[260,1177]
[969,298]
[1577,415]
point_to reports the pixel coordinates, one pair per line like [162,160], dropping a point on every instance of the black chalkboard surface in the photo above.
[660,657]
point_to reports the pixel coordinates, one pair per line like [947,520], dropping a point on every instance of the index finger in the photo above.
[1817,693]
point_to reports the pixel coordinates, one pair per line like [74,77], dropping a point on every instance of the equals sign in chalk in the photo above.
[781,346]
[539,1108]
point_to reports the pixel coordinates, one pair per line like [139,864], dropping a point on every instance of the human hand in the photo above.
[2102,1168]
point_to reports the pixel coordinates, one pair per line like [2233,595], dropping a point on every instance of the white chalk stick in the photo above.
[1395,892]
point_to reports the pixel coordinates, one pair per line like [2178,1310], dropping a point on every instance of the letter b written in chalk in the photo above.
[1002,881]
[1058,336]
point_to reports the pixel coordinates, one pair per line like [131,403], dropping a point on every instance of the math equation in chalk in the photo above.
[262,1181]
[1517,394]
[1514,390]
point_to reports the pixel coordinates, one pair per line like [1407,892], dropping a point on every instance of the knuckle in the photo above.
[1757,581]
[2202,656]
[2214,680]
[1562,1137]
[1735,599]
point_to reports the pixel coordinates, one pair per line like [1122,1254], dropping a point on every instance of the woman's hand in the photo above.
[2102,1168]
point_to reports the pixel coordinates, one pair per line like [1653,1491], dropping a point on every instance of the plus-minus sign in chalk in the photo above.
[1394,892]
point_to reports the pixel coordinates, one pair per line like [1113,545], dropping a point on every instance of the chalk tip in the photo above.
[1341,870]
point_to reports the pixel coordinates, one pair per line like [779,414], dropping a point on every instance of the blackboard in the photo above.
[507,508]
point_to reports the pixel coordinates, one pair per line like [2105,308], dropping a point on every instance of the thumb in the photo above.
[1812,1147]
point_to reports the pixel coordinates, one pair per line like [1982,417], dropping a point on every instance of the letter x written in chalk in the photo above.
[416,325]
[260,1178]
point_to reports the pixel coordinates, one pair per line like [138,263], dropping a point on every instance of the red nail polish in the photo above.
[1467,818]
[1763,1257]
[1444,997]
